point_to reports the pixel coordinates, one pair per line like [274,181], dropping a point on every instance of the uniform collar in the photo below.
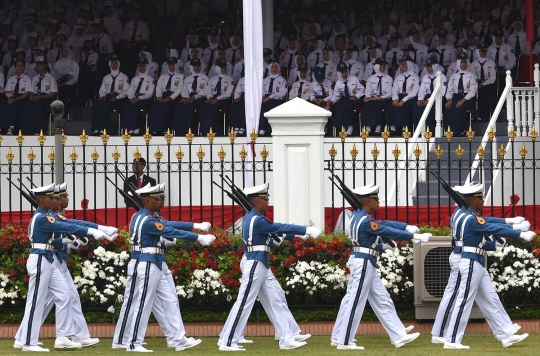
[41,210]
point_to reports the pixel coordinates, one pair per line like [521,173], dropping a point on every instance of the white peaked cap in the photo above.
[148,191]
[258,190]
[371,191]
[45,190]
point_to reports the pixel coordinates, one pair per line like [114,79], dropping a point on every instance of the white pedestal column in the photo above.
[297,142]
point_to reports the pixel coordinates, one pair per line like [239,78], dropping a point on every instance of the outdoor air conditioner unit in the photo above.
[431,272]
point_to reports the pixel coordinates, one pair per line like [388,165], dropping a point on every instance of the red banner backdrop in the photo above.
[412,215]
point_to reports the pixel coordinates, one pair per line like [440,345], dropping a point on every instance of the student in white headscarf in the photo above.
[76,41]
[329,67]
[346,96]
[66,73]
[427,85]
[486,71]
[378,95]
[404,94]
[210,52]
[151,67]
[364,54]
[394,52]
[517,40]
[274,92]
[356,68]
[192,41]
[461,95]
[293,73]
[300,88]
[170,52]
[112,94]
[433,53]
[233,52]
[221,54]
[389,29]
[218,96]
[287,57]
[375,52]
[316,52]
[196,52]
[337,29]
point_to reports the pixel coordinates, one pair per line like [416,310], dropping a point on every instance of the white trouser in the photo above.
[81,331]
[341,311]
[365,284]
[121,332]
[475,285]
[491,308]
[45,277]
[254,274]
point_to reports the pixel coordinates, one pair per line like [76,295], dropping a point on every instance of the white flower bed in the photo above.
[8,292]
[315,276]
[514,268]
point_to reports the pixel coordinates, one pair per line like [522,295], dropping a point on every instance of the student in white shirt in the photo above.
[210,52]
[66,73]
[346,96]
[112,94]
[274,92]
[320,90]
[218,96]
[329,67]
[316,55]
[378,95]
[486,72]
[404,93]
[427,85]
[240,65]
[299,58]
[152,67]
[221,54]
[394,53]
[139,95]
[237,112]
[300,88]
[88,65]
[460,95]
[168,89]
[17,91]
[170,51]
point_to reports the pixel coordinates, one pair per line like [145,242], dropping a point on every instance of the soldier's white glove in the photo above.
[74,245]
[387,247]
[313,232]
[498,243]
[412,228]
[515,220]
[82,241]
[168,242]
[524,226]
[417,238]
[527,235]
[303,237]
[98,235]
[67,240]
[206,240]
[112,237]
[109,230]
[279,240]
[204,226]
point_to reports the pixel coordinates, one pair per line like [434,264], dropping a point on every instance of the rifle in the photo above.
[238,196]
[353,201]
[460,201]
[28,196]
[134,203]
[131,188]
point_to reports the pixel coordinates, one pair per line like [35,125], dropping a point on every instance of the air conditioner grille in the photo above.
[436,270]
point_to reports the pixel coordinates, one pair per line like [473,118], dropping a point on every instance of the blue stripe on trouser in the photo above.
[355,303]
[141,305]
[34,300]
[244,299]
[464,301]
[450,305]
[128,305]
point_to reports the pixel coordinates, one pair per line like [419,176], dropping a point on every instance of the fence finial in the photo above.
[449,134]
[83,137]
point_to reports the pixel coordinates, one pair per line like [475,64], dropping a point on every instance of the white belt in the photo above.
[258,248]
[459,243]
[152,250]
[367,251]
[135,248]
[478,251]
[45,247]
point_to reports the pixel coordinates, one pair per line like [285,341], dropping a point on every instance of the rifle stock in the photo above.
[134,203]
[29,198]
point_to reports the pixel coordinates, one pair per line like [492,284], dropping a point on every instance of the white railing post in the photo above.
[537,96]
[438,107]
[509,102]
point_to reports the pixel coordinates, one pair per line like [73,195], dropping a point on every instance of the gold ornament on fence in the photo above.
[10,156]
[200,154]
[232,135]
[31,156]
[64,138]
[449,134]
[354,152]
[73,155]
[364,134]
[116,155]
[523,151]
[158,154]
[375,152]
[105,137]
[491,133]
[168,136]
[396,152]
[179,154]
[343,134]
[243,153]
[83,137]
[20,138]
[95,155]
[502,151]
[512,133]
[439,151]
[189,136]
[480,151]
[126,137]
[470,133]
[1,139]
[417,152]
[332,152]
[147,137]
[41,138]
[385,134]
[459,151]
[52,156]
[137,154]
[264,153]
[221,154]
[253,135]
[211,136]
[428,134]
[533,134]
[406,134]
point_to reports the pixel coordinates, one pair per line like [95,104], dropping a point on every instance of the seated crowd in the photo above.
[372,65]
